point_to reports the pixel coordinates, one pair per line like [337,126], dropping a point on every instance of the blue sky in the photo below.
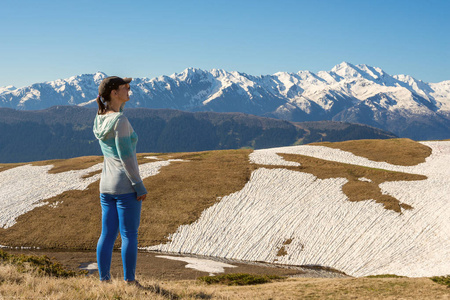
[48,40]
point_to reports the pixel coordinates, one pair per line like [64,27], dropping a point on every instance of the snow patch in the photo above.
[152,157]
[364,179]
[203,265]
[55,204]
[89,267]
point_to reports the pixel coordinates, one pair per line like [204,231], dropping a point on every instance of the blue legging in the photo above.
[119,212]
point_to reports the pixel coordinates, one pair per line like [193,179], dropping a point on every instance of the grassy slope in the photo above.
[182,190]
[28,285]
[177,195]
[404,152]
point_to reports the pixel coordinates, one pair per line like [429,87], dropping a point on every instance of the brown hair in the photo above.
[103,104]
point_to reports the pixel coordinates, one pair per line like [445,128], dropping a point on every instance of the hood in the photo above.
[104,124]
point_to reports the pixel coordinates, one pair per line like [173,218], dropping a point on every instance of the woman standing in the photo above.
[121,187]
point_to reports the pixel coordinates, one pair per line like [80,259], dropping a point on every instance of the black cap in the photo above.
[111,83]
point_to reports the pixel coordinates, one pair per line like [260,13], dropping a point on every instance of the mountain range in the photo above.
[362,94]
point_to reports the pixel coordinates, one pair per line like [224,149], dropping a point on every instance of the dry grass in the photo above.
[352,288]
[177,195]
[404,152]
[7,166]
[64,165]
[355,189]
[60,165]
[17,285]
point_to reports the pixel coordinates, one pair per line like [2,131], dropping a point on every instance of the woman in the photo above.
[121,187]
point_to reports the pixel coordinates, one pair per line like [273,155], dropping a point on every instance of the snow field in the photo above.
[358,238]
[27,187]
[23,188]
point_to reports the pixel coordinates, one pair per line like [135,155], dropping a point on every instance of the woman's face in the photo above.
[122,93]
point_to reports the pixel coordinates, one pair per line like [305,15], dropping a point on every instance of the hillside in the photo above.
[380,208]
[66,132]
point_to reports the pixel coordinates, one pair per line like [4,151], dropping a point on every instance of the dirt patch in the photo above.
[403,152]
[282,250]
[363,183]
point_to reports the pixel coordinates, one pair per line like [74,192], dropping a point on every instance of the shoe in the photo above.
[134,283]
[106,281]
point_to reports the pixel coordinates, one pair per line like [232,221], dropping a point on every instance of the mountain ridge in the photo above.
[351,93]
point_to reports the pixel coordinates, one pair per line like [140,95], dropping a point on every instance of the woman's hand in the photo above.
[142,198]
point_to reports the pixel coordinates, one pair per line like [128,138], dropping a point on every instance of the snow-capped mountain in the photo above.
[353,93]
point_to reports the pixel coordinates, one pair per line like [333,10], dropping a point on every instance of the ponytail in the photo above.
[101,106]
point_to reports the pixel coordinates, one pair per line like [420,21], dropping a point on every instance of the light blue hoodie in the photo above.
[118,140]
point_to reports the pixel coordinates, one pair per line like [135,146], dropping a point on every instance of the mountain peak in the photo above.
[343,65]
[218,72]
[192,70]
[346,70]
[8,88]
[349,71]
[100,74]
[187,73]
[406,78]
[283,73]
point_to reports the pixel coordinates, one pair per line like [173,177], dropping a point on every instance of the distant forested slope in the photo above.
[66,131]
